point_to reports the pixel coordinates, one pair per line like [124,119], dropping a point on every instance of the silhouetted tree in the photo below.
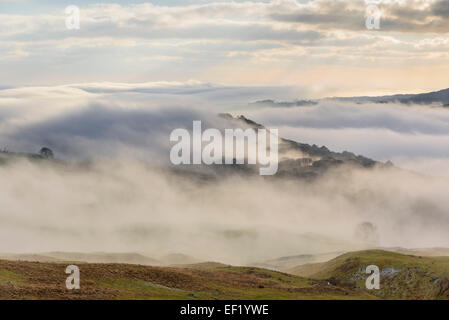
[46,153]
[367,233]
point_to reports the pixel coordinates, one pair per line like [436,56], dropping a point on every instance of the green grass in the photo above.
[33,280]
[414,277]
[141,290]
[339,278]
[10,277]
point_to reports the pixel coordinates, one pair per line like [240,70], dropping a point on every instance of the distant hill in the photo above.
[288,262]
[438,97]
[302,160]
[7,156]
[428,252]
[283,104]
[177,259]
[297,160]
[95,257]
[104,257]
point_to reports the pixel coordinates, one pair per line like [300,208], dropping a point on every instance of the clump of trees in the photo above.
[46,153]
[367,233]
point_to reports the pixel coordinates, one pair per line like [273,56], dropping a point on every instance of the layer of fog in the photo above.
[125,206]
[126,200]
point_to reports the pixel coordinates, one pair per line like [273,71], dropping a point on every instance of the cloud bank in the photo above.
[126,199]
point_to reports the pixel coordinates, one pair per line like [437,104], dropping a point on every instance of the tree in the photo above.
[367,233]
[46,153]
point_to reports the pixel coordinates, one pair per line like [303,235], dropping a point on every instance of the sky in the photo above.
[321,48]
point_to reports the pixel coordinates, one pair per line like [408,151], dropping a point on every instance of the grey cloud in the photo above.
[441,8]
[235,32]
[349,15]
[101,131]
[329,14]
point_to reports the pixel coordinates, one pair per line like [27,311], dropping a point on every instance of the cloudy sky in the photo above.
[129,60]
[320,48]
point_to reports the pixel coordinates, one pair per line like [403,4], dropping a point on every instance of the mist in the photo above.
[112,188]
[126,206]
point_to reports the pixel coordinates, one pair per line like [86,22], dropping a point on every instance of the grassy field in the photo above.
[402,277]
[37,280]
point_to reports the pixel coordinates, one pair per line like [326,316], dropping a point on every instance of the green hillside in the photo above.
[37,280]
[402,276]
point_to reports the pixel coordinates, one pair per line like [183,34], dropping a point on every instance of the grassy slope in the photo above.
[413,277]
[34,280]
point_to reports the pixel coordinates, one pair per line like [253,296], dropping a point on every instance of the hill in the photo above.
[300,160]
[439,97]
[402,276]
[34,280]
[94,257]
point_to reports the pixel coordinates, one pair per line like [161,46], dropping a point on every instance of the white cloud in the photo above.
[213,41]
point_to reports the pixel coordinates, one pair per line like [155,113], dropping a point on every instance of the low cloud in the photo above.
[381,131]
[126,206]
[126,198]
